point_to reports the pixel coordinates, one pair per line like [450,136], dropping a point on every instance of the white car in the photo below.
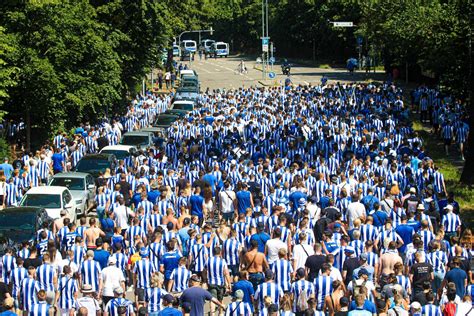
[80,184]
[121,152]
[53,199]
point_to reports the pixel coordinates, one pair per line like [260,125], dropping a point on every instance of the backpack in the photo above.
[302,303]
[356,287]
[449,309]
[412,205]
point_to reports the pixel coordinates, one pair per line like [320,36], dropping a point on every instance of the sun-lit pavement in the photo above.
[221,73]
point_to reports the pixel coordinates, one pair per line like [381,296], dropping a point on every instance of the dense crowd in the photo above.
[304,200]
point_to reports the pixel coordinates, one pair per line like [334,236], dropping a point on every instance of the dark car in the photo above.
[175,112]
[165,120]
[95,163]
[18,224]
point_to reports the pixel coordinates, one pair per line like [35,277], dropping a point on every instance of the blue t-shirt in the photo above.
[196,297]
[406,233]
[243,199]
[457,276]
[262,239]
[211,179]
[196,202]
[102,257]
[57,159]
[368,306]
[7,169]
[169,311]
[246,287]
[379,218]
[295,197]
[170,261]
[153,196]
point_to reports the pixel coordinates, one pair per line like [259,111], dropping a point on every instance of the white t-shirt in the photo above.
[121,216]
[400,312]
[227,198]
[354,211]
[273,246]
[88,302]
[66,262]
[301,252]
[111,278]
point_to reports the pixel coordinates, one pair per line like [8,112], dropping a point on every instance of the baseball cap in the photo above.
[337,225]
[363,271]
[168,298]
[349,249]
[195,278]
[118,290]
[143,252]
[363,256]
[449,207]
[300,272]
[239,294]
[302,201]
[412,190]
[415,305]
[112,260]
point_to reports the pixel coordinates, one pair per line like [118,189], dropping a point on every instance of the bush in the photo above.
[5,149]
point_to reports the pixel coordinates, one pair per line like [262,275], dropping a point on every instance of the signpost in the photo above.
[265,43]
[343,24]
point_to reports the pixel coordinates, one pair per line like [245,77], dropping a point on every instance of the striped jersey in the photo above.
[40,309]
[270,289]
[431,310]
[153,297]
[216,268]
[91,273]
[282,270]
[231,251]
[143,269]
[67,287]
[238,308]
[16,276]
[451,222]
[29,288]
[298,287]
[180,277]
[113,304]
[45,275]
[323,288]
[438,260]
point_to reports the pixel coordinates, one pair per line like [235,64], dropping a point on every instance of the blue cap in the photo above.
[143,252]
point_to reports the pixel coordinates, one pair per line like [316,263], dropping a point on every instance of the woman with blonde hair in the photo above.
[286,305]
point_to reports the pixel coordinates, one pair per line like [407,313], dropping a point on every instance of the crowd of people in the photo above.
[309,200]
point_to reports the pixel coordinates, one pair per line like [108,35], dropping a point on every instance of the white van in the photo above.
[206,44]
[188,45]
[220,49]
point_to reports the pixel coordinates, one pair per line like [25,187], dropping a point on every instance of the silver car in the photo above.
[81,185]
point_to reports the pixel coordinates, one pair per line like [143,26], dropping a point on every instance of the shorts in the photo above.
[140,293]
[228,216]
[217,291]
[447,141]
[234,269]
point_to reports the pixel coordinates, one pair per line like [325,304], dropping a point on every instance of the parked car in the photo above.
[139,139]
[190,82]
[183,105]
[186,94]
[165,120]
[95,163]
[121,152]
[80,184]
[19,224]
[53,199]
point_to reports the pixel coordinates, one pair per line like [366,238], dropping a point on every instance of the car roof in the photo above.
[136,133]
[46,190]
[118,147]
[97,156]
[71,175]
[21,209]
[220,43]
[188,72]
[184,102]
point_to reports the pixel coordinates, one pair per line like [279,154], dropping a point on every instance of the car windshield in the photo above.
[165,120]
[119,154]
[221,46]
[183,106]
[23,220]
[189,44]
[88,165]
[43,200]
[134,140]
[70,183]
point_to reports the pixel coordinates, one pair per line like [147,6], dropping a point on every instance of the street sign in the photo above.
[271,75]
[265,43]
[271,60]
[343,24]
[360,40]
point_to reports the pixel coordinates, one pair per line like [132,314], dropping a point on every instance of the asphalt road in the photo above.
[221,73]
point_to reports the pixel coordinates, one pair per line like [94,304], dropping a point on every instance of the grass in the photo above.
[451,167]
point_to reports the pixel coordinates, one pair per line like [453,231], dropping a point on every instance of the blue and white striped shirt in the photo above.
[180,277]
[91,274]
[323,288]
[45,275]
[270,289]
[67,286]
[216,268]
[153,296]
[282,270]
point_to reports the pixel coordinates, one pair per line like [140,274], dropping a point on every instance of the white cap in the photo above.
[449,207]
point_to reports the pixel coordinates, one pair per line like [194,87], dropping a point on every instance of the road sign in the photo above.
[271,75]
[360,40]
[265,43]
[343,24]
[271,60]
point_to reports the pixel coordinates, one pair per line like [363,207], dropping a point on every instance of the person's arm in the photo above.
[251,201]
[228,279]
